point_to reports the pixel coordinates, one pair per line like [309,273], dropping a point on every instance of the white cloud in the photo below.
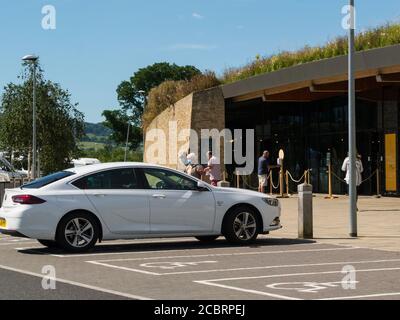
[197,15]
[191,46]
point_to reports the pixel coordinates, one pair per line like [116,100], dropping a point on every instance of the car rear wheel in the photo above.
[49,243]
[207,238]
[242,225]
[78,232]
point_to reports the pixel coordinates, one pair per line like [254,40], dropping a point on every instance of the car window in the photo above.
[165,179]
[44,181]
[111,179]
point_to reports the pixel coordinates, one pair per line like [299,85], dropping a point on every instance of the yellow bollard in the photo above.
[287,183]
[330,195]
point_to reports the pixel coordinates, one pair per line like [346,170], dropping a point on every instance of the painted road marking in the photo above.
[213,282]
[109,265]
[173,265]
[79,284]
[175,250]
[220,254]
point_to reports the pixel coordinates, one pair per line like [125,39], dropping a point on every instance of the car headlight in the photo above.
[271,201]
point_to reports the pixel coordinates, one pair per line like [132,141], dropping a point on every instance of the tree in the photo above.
[132,95]
[117,120]
[59,124]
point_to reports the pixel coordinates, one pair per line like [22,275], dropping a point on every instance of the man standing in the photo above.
[213,169]
[263,170]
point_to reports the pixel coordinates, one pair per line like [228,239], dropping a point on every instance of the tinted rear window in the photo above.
[41,182]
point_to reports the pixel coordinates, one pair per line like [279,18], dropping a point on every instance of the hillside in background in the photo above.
[96,136]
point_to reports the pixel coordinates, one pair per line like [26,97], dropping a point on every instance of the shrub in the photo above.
[169,92]
[382,36]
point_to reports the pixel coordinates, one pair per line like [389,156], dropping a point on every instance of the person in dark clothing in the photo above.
[263,170]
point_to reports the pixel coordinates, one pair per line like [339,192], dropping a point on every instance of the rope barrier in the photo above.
[272,183]
[294,180]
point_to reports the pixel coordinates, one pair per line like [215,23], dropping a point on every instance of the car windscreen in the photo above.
[41,182]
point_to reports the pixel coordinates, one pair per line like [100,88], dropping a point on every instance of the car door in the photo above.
[176,204]
[119,200]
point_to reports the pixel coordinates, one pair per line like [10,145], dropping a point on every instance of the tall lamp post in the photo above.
[32,59]
[352,128]
[141,92]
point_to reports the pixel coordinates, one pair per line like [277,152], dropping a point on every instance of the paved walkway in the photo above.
[378,221]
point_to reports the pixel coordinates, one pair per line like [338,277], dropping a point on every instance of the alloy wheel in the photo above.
[79,232]
[244,226]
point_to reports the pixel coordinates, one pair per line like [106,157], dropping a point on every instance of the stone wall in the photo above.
[199,110]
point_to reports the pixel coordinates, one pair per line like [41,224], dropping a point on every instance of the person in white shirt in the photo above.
[359,171]
[213,169]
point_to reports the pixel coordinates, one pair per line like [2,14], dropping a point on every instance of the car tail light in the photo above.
[27,199]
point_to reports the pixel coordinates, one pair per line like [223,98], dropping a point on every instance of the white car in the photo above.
[75,208]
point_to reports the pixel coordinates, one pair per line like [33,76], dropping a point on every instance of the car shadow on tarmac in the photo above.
[163,245]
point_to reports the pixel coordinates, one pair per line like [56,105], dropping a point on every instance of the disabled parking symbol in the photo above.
[306,287]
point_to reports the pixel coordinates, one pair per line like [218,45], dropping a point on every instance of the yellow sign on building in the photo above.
[391,162]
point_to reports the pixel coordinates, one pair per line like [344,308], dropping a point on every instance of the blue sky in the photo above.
[99,43]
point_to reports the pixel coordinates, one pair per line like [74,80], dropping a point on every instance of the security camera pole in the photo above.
[33,60]
[352,127]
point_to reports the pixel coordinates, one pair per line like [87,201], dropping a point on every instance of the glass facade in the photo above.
[312,132]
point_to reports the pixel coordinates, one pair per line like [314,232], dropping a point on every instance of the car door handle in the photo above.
[159,196]
[99,195]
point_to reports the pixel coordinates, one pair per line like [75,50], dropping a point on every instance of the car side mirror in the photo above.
[201,186]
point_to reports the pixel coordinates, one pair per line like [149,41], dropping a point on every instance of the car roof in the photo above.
[109,165]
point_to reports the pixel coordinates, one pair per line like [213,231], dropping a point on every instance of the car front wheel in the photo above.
[77,232]
[241,225]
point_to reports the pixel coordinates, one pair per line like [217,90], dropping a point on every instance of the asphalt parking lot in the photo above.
[184,268]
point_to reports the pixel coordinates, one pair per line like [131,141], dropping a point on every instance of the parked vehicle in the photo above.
[75,208]
[84,162]
[8,172]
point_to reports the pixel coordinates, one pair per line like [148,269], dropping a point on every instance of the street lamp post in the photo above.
[33,60]
[352,128]
[141,92]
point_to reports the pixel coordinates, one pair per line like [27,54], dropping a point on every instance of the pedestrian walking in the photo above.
[359,171]
[263,170]
[213,169]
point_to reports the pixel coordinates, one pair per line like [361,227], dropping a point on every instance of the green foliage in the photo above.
[96,129]
[132,100]
[169,92]
[112,154]
[117,121]
[374,38]
[59,124]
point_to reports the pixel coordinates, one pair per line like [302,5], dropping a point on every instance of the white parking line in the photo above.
[212,282]
[365,296]
[283,266]
[14,243]
[221,254]
[79,284]
[160,251]
[104,264]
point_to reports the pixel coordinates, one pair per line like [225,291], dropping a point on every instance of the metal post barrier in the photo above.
[237,180]
[270,183]
[330,192]
[287,182]
[378,184]
[305,211]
